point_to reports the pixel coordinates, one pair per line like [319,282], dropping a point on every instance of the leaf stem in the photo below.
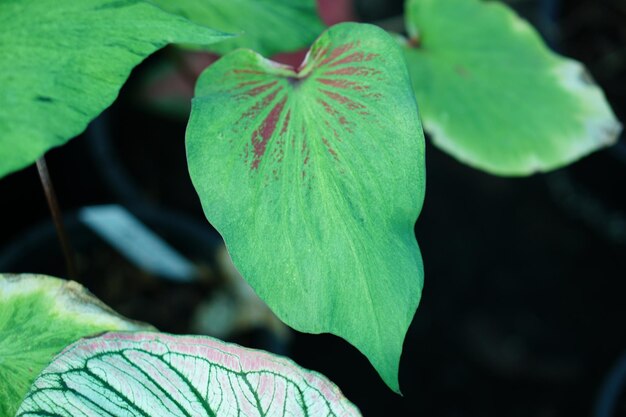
[46,182]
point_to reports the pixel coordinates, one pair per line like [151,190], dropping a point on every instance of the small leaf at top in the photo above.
[39,317]
[159,375]
[64,61]
[494,96]
[315,179]
[266,26]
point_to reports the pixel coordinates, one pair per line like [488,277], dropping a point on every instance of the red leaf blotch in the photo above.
[260,89]
[330,149]
[261,136]
[352,105]
[254,111]
[337,52]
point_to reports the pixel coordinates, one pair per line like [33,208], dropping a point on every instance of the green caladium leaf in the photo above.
[158,375]
[266,26]
[64,61]
[39,317]
[315,177]
[492,95]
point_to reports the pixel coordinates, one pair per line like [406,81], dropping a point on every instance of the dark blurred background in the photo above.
[523,310]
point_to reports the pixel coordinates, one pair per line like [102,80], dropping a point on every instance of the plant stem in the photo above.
[53,204]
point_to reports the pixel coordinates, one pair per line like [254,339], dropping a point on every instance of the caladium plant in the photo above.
[138,372]
[494,96]
[159,375]
[64,61]
[314,175]
[40,316]
[296,176]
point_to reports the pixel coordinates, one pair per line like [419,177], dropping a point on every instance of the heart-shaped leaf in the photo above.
[315,179]
[64,61]
[492,95]
[266,26]
[158,375]
[39,317]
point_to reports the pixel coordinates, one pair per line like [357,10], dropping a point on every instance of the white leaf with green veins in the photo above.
[494,96]
[159,375]
[39,317]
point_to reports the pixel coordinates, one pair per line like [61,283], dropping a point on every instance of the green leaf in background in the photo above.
[39,317]
[158,375]
[492,95]
[64,61]
[266,26]
[315,179]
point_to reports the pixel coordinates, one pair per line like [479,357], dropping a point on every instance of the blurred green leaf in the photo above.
[494,96]
[64,62]
[265,26]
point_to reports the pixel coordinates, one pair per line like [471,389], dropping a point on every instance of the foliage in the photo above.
[315,178]
[39,317]
[492,95]
[159,375]
[266,26]
[64,61]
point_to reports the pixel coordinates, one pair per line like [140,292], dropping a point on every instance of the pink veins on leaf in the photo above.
[260,89]
[343,84]
[333,112]
[352,105]
[336,53]
[254,111]
[262,135]
[354,57]
[359,71]
[330,149]
[286,123]
[340,61]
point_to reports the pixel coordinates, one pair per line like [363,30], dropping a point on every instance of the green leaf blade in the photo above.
[494,96]
[39,317]
[63,62]
[155,374]
[315,179]
[265,26]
